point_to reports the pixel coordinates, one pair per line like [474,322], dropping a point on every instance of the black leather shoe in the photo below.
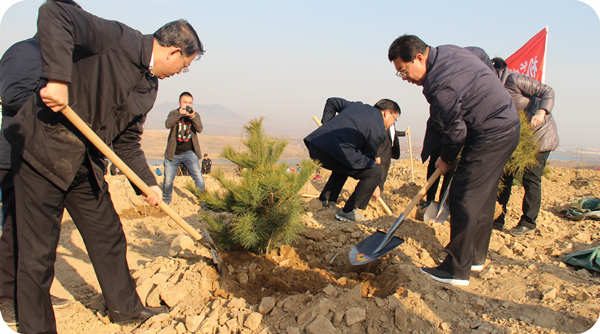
[522,230]
[58,302]
[143,315]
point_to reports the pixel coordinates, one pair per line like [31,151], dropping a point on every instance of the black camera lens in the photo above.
[189,109]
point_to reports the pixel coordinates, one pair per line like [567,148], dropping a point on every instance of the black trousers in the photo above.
[434,186]
[8,241]
[368,180]
[471,201]
[39,209]
[532,182]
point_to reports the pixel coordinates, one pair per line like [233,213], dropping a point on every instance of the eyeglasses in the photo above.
[185,68]
[403,73]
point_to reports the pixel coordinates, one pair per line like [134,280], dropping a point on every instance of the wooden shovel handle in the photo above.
[385,207]
[422,191]
[131,175]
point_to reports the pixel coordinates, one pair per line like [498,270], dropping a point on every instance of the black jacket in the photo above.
[390,148]
[432,141]
[20,69]
[110,88]
[353,137]
[467,101]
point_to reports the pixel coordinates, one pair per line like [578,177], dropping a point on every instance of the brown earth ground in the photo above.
[310,287]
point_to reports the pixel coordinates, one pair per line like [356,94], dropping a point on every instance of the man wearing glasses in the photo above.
[347,144]
[474,112]
[108,72]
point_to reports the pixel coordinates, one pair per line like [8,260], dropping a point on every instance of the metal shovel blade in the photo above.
[365,251]
[216,258]
[433,212]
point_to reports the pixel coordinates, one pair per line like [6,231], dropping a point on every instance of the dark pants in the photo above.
[434,186]
[8,241]
[39,211]
[472,197]
[368,180]
[532,182]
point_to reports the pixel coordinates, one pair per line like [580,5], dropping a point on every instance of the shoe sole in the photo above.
[453,281]
[342,218]
[520,234]
[477,267]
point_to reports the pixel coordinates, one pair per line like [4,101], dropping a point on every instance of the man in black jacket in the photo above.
[347,145]
[108,73]
[474,112]
[390,149]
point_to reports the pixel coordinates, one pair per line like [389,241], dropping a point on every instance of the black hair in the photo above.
[406,48]
[499,63]
[185,94]
[387,104]
[180,34]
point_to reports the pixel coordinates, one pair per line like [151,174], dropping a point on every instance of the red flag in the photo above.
[531,57]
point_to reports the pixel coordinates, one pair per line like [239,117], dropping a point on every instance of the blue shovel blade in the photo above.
[364,251]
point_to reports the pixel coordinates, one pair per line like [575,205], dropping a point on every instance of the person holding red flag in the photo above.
[537,100]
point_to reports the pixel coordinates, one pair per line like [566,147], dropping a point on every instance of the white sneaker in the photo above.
[444,277]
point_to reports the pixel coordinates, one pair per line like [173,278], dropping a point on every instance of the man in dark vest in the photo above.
[108,72]
[347,145]
[474,113]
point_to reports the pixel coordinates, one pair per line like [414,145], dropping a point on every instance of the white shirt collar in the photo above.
[151,66]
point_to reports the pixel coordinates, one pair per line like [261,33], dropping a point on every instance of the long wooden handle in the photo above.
[317,121]
[408,209]
[412,168]
[131,175]
[422,191]
[385,207]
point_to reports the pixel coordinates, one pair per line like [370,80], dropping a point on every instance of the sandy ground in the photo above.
[310,287]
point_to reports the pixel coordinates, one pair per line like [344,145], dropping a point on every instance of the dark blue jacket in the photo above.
[432,140]
[467,101]
[352,137]
[20,68]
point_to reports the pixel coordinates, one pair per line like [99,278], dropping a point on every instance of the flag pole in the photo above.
[545,56]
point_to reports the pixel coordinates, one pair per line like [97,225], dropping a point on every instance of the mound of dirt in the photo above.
[310,286]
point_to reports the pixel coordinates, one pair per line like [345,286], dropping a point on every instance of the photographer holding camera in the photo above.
[182,146]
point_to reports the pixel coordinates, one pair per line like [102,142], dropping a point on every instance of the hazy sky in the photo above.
[282,59]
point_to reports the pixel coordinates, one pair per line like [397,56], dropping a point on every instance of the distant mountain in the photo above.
[217,119]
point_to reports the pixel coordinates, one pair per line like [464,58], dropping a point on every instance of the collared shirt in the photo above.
[151,66]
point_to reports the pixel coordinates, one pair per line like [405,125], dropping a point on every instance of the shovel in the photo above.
[380,243]
[132,176]
[438,212]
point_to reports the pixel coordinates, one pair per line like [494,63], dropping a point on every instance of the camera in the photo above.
[189,109]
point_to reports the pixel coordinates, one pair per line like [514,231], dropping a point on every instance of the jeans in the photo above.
[190,160]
